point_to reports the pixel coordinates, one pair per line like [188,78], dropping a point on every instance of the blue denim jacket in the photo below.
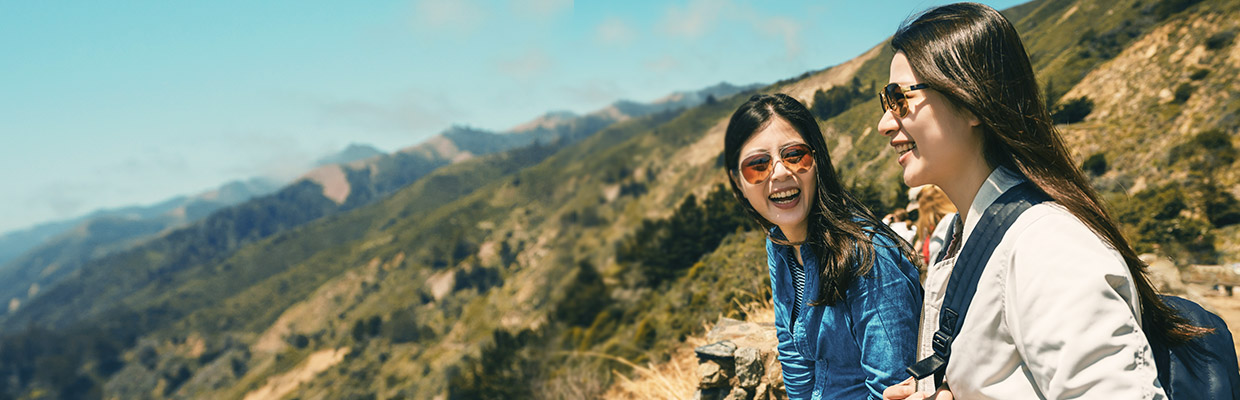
[856,348]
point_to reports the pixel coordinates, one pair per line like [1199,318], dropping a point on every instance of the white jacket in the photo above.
[1055,316]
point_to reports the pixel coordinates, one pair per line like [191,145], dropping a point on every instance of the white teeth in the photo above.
[785,195]
[905,147]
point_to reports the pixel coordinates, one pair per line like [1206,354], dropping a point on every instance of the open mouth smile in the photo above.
[785,198]
[905,147]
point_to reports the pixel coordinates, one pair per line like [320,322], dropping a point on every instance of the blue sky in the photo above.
[108,104]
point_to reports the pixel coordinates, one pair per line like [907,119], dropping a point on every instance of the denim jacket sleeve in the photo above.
[797,370]
[884,306]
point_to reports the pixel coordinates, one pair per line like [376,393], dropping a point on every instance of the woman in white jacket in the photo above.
[1059,307]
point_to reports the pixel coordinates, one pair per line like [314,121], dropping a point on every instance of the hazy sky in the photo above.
[107,104]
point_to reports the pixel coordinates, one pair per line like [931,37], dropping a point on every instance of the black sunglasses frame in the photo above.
[892,98]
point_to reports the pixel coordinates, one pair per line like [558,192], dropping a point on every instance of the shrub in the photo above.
[1183,92]
[299,341]
[663,249]
[359,331]
[1199,74]
[1155,222]
[646,334]
[1222,209]
[1073,111]
[584,297]
[373,325]
[1165,8]
[871,196]
[504,370]
[402,327]
[1095,164]
[1220,40]
[837,99]
[1206,151]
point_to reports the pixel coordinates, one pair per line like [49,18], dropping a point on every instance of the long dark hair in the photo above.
[973,56]
[839,225]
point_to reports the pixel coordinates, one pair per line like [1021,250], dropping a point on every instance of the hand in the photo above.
[907,390]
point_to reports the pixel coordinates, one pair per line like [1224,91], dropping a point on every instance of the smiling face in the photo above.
[936,141]
[786,196]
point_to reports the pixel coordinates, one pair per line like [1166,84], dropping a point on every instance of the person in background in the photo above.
[933,207]
[1063,304]
[900,224]
[844,286]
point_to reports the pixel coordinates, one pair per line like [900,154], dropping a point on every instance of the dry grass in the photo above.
[676,378]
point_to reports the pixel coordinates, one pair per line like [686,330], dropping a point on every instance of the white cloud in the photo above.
[700,17]
[400,120]
[449,16]
[695,19]
[152,158]
[594,92]
[614,31]
[526,66]
[542,9]
[786,29]
[65,199]
[663,64]
[274,155]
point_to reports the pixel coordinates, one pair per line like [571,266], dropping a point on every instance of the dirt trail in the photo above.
[285,383]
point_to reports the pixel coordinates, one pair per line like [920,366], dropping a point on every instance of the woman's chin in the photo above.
[911,178]
[787,220]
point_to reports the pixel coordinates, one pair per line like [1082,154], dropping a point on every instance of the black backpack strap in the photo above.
[962,284]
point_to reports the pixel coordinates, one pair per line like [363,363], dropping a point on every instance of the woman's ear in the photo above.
[973,119]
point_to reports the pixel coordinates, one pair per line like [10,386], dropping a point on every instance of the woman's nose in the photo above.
[887,124]
[780,171]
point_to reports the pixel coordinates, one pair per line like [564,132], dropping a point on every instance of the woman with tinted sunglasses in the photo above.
[845,290]
[1058,311]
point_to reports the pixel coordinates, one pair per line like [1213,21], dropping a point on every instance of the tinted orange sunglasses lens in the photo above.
[796,158]
[892,98]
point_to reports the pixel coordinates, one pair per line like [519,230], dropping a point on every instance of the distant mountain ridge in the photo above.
[360,176]
[45,253]
[355,152]
[48,252]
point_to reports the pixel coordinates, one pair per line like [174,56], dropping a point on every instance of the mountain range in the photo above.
[549,268]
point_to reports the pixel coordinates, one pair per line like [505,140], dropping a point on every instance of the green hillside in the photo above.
[527,273]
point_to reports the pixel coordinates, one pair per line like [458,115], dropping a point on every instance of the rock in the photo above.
[711,375]
[716,351]
[737,394]
[762,392]
[712,393]
[1164,275]
[749,367]
[743,334]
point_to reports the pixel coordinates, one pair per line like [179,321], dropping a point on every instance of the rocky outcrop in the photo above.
[740,363]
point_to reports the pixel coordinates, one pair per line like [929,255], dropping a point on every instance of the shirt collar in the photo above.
[787,251]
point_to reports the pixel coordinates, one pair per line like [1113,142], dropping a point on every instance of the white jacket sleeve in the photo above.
[1073,311]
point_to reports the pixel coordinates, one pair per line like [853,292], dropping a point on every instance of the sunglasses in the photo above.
[758,167]
[892,98]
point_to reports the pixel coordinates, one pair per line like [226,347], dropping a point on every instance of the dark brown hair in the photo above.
[839,225]
[973,56]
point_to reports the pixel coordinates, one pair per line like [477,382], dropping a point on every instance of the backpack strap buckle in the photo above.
[929,366]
